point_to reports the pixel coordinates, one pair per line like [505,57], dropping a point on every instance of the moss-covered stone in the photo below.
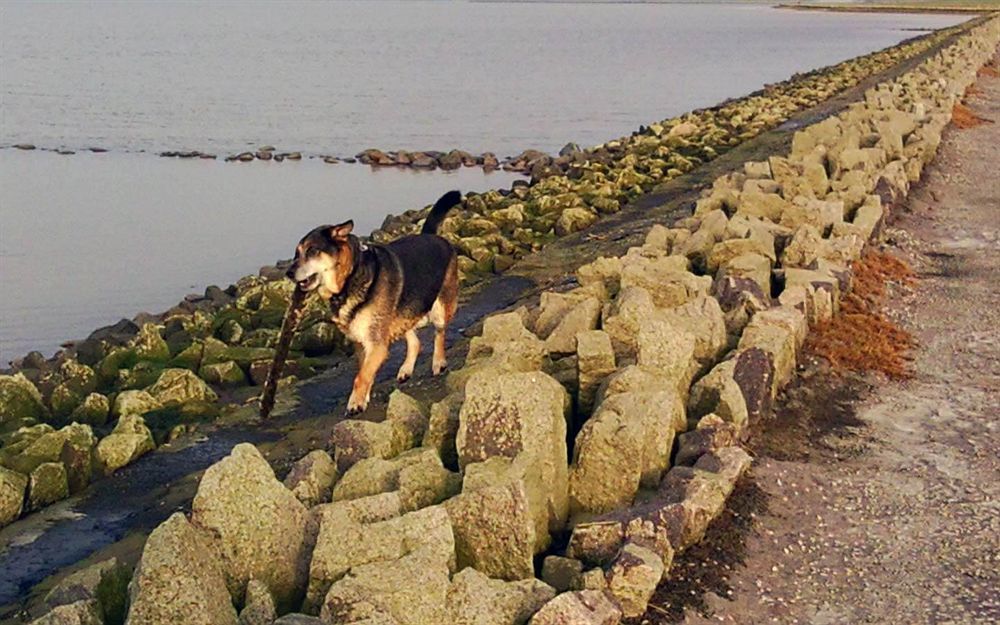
[180,386]
[189,357]
[47,485]
[20,403]
[225,374]
[134,402]
[13,486]
[149,345]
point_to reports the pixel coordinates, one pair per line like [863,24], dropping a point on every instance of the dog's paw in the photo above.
[403,378]
[439,368]
[355,406]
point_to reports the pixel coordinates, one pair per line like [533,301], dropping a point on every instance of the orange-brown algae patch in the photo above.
[962,117]
[861,338]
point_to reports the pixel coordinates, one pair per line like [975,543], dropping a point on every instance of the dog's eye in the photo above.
[311,252]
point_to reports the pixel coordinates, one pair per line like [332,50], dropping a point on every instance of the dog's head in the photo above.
[324,259]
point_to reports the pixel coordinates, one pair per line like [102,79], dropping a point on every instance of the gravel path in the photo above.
[874,501]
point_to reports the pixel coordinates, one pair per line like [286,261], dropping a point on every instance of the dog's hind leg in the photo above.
[412,350]
[441,314]
[374,356]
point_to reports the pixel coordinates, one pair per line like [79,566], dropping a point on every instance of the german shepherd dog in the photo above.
[381,293]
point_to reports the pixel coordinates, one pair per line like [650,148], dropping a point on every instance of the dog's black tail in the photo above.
[447,201]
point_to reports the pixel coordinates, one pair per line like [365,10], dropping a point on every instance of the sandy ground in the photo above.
[874,501]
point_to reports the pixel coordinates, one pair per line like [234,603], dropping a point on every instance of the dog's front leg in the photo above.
[412,351]
[371,362]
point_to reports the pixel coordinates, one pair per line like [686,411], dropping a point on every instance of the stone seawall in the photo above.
[589,438]
[201,360]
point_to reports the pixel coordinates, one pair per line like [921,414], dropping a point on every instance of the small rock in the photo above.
[47,484]
[311,479]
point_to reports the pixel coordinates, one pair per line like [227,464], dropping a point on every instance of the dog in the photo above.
[381,293]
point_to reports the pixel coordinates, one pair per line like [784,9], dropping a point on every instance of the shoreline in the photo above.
[765,335]
[891,8]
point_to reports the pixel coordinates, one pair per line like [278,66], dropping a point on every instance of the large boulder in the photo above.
[583,316]
[408,419]
[13,486]
[519,413]
[418,475]
[494,531]
[666,277]
[77,455]
[627,443]
[475,599]
[35,448]
[520,471]
[442,428]
[702,317]
[718,392]
[180,386]
[180,579]
[669,349]
[606,462]
[505,346]
[574,219]
[344,543]
[260,524]
[411,590]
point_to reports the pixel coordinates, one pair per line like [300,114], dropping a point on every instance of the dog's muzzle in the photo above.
[308,283]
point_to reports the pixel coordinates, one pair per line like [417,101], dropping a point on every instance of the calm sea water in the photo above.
[87,239]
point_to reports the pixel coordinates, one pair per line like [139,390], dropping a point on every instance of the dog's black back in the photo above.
[422,260]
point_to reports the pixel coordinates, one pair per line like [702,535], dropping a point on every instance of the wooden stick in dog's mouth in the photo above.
[292,317]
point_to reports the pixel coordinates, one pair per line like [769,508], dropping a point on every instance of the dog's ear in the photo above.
[341,231]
